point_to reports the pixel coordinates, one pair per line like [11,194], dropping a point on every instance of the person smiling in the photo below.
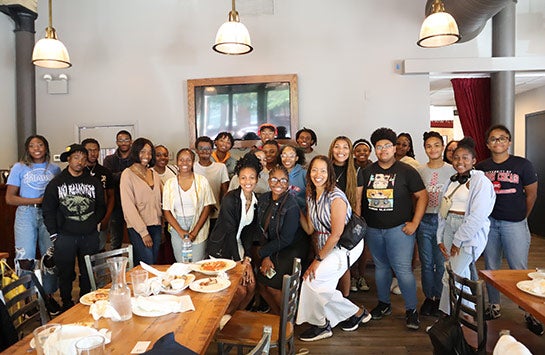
[187,201]
[293,160]
[162,167]
[73,206]
[463,232]
[320,303]
[224,142]
[306,138]
[405,150]
[141,201]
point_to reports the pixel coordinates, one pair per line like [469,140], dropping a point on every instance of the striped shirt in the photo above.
[320,213]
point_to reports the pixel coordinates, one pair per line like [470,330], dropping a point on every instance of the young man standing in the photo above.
[73,206]
[393,203]
[515,184]
[116,163]
[103,175]
[215,173]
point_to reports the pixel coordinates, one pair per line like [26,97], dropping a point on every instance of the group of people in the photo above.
[280,202]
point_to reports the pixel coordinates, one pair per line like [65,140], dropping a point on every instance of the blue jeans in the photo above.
[431,259]
[140,251]
[393,249]
[30,230]
[509,239]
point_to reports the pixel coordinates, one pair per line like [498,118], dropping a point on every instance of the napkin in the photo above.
[151,269]
[178,269]
[172,304]
[167,345]
[103,309]
[63,342]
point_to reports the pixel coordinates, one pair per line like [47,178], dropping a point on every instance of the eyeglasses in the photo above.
[204,149]
[500,139]
[288,156]
[123,141]
[275,181]
[382,147]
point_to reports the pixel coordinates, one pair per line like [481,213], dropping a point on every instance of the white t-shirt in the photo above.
[216,174]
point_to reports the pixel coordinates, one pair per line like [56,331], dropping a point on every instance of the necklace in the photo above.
[340,175]
[92,170]
[143,176]
[185,226]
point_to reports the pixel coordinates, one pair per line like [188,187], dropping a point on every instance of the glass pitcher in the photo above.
[120,293]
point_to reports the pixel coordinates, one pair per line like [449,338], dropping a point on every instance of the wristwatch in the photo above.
[317,257]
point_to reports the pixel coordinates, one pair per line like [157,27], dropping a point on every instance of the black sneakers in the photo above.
[354,321]
[493,311]
[316,333]
[411,317]
[52,306]
[382,309]
[430,307]
[533,324]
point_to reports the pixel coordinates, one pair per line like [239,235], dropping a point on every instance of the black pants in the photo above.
[67,248]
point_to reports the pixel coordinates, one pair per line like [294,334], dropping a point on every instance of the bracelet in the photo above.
[317,257]
[248,259]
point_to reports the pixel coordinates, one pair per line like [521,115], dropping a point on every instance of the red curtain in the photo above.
[472,97]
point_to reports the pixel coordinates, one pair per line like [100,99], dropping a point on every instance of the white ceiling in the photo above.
[441,93]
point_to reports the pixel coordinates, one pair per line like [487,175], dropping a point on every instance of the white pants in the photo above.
[320,300]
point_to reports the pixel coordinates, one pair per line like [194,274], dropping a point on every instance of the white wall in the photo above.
[131,60]
[525,103]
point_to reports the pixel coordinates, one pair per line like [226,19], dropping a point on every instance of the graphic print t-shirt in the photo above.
[32,179]
[435,180]
[387,195]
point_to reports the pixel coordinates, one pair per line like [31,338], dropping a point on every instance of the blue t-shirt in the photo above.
[32,180]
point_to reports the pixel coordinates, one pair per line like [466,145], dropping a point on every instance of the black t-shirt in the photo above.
[103,174]
[509,179]
[341,171]
[387,199]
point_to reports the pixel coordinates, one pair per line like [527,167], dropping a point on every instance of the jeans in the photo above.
[30,230]
[431,259]
[459,263]
[393,249]
[140,251]
[117,222]
[67,249]
[509,239]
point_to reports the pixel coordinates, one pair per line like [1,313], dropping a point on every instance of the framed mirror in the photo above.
[240,105]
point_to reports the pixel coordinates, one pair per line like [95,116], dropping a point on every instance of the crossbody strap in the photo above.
[454,191]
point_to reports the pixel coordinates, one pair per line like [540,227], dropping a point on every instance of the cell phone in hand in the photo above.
[270,273]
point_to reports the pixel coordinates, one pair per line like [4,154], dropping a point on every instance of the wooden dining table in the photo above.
[193,329]
[506,281]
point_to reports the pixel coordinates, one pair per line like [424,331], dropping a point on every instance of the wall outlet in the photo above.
[56,157]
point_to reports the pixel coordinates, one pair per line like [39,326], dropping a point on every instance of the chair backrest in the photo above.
[97,268]
[290,300]
[262,348]
[472,305]
[26,306]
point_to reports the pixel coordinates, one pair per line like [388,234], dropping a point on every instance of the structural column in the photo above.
[24,71]
[502,84]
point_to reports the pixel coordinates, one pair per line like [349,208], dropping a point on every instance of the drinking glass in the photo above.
[91,345]
[42,333]
[139,280]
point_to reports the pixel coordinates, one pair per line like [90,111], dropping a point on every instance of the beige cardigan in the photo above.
[141,204]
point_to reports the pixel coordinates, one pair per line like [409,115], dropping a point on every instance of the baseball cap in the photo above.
[72,149]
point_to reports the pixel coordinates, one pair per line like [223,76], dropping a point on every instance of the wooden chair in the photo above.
[262,348]
[97,268]
[26,307]
[244,329]
[476,329]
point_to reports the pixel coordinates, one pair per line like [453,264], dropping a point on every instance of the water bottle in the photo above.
[187,249]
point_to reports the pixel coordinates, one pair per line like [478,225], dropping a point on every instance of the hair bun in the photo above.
[467,142]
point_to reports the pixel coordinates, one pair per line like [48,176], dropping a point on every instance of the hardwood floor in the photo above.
[389,335]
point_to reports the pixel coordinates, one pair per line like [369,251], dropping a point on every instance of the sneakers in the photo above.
[394,287]
[316,333]
[429,307]
[411,317]
[353,284]
[533,324]
[382,309]
[52,306]
[354,321]
[362,284]
[492,312]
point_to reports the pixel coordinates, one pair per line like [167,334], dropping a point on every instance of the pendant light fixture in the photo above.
[439,29]
[233,37]
[49,52]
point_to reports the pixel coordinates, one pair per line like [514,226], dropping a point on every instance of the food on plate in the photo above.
[211,281]
[98,295]
[176,282]
[214,265]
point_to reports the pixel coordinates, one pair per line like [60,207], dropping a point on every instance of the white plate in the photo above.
[229,264]
[189,279]
[526,286]
[88,298]
[155,313]
[222,284]
[536,275]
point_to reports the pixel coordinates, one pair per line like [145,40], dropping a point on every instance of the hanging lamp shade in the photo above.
[49,52]
[233,37]
[439,29]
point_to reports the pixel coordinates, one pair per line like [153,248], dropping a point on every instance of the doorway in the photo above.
[535,126]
